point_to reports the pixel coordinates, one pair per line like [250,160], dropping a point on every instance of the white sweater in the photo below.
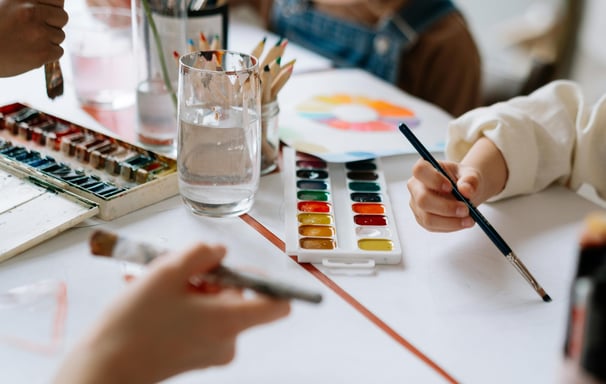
[549,136]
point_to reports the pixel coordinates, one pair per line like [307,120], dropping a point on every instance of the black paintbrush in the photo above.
[476,215]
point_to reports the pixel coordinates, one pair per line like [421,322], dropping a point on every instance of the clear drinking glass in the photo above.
[270,136]
[164,30]
[159,35]
[102,59]
[219,136]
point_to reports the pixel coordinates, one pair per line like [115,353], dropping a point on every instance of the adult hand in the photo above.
[30,34]
[161,326]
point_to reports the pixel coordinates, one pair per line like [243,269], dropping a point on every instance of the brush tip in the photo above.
[546,298]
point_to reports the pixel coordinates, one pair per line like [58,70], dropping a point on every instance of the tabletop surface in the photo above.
[453,310]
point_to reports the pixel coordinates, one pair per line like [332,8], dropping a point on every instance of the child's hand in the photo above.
[481,175]
[161,326]
[431,198]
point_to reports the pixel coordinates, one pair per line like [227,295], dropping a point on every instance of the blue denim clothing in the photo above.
[377,50]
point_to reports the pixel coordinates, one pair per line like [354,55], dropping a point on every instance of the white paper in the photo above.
[349,114]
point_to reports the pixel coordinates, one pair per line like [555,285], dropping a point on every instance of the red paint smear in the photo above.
[58,328]
[367,126]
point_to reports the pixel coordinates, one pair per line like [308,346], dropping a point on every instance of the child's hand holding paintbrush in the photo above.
[158,328]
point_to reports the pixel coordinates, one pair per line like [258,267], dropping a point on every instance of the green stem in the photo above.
[158,42]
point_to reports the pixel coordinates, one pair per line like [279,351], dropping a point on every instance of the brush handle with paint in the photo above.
[108,244]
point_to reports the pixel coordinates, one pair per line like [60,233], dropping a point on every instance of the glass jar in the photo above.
[159,36]
[270,136]
[163,31]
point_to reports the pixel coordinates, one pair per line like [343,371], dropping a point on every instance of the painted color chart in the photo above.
[338,214]
[356,113]
[348,115]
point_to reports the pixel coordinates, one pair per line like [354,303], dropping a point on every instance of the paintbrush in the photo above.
[108,244]
[54,79]
[475,214]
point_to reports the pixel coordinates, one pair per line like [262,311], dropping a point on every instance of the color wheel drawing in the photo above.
[356,113]
[348,114]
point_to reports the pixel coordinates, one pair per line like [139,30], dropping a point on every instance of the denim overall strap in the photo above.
[377,50]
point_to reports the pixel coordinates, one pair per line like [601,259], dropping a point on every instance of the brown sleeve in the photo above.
[444,67]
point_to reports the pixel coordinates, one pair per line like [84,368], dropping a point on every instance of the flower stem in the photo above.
[158,42]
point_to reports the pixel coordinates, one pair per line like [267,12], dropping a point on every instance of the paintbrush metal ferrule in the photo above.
[521,268]
[229,277]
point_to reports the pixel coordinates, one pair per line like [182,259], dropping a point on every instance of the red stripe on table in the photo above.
[275,240]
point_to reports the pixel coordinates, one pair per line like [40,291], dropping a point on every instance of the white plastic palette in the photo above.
[338,214]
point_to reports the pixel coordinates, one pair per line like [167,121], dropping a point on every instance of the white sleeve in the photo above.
[546,137]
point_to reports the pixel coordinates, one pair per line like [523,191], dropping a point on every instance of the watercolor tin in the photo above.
[53,160]
[338,214]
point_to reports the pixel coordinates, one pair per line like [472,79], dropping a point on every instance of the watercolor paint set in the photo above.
[54,174]
[338,214]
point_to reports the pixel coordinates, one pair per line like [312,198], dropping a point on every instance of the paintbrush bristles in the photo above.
[102,243]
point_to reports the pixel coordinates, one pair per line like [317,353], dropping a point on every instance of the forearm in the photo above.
[485,157]
[87,364]
[537,135]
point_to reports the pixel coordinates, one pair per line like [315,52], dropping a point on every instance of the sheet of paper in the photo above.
[348,114]
[456,296]
[331,342]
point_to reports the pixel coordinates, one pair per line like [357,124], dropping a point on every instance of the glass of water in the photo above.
[219,136]
[102,59]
